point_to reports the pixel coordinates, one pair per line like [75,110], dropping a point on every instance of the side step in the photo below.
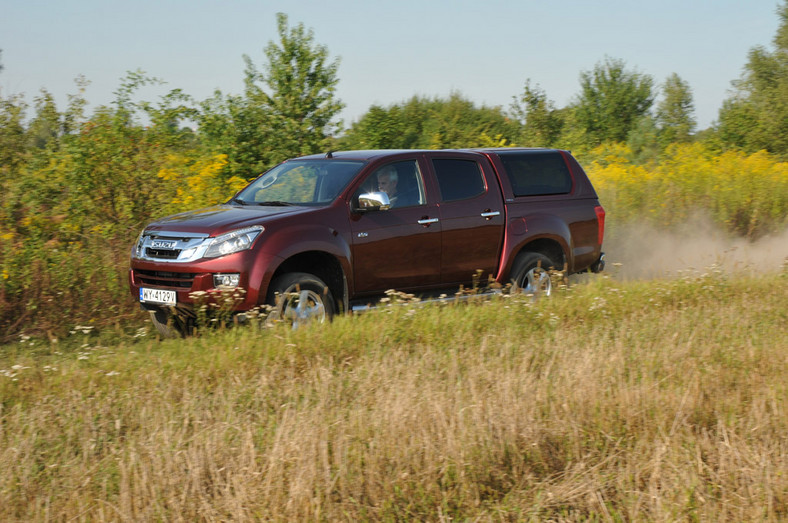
[442,298]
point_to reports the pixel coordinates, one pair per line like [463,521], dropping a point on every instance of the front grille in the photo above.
[166,254]
[173,280]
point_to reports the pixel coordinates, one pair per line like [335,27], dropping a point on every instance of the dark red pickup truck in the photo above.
[342,228]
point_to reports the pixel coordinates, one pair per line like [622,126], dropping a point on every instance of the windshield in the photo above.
[300,182]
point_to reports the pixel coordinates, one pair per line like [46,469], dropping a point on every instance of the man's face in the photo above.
[386,184]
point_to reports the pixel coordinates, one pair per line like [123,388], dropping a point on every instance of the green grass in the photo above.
[661,400]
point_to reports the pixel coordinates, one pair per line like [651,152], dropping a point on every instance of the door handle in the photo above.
[489,214]
[427,221]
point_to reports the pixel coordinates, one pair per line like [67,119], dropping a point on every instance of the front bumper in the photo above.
[193,283]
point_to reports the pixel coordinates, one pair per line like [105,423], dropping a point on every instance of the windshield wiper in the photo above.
[274,203]
[239,201]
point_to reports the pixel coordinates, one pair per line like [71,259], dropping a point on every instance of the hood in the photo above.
[222,218]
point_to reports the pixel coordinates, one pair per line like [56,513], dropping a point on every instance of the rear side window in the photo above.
[537,174]
[458,179]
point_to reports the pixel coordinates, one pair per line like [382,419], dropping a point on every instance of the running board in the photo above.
[458,297]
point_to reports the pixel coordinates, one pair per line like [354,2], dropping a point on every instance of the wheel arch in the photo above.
[323,265]
[549,247]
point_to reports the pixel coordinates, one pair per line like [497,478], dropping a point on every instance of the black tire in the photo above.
[167,324]
[531,274]
[300,298]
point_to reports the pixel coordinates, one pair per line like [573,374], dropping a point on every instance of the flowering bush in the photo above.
[746,193]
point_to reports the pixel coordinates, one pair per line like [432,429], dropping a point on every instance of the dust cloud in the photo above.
[646,252]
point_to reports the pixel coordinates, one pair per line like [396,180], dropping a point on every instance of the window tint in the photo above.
[458,179]
[534,174]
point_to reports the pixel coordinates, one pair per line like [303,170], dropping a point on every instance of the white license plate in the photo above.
[158,296]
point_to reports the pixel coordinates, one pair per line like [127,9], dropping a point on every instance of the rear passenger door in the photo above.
[471,217]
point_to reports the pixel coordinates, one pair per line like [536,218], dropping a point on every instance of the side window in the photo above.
[537,174]
[400,180]
[458,179]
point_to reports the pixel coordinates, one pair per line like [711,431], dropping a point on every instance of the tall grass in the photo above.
[746,195]
[661,401]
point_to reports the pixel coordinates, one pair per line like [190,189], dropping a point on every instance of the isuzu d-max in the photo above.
[333,232]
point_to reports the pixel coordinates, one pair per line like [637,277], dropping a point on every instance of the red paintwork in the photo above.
[377,251]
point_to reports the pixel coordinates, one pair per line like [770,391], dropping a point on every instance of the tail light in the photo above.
[600,220]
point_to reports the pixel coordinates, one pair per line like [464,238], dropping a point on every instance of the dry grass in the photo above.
[654,401]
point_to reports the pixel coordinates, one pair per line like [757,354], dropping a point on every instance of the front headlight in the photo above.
[138,245]
[234,241]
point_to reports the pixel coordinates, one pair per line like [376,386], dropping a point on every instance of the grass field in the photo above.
[662,400]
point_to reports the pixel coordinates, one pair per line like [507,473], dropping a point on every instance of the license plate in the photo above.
[158,296]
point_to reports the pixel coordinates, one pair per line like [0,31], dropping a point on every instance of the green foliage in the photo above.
[73,208]
[13,140]
[46,128]
[675,112]
[541,121]
[300,99]
[643,140]
[238,128]
[430,123]
[287,109]
[381,128]
[612,101]
[756,115]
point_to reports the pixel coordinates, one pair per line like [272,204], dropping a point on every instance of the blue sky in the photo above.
[388,51]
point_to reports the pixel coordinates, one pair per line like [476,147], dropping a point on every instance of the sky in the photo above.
[387,51]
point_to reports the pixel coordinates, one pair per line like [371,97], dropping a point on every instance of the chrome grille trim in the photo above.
[184,246]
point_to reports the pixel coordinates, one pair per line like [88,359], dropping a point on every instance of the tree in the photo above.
[297,90]
[380,128]
[756,115]
[75,112]
[240,128]
[612,101]
[643,140]
[46,127]
[431,123]
[675,118]
[537,114]
[13,142]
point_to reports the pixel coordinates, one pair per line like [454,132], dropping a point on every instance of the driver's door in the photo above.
[398,248]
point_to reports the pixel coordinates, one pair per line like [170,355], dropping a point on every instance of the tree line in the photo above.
[289,107]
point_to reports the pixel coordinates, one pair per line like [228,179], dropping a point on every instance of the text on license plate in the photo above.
[157,296]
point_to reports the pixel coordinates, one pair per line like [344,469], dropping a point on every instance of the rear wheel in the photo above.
[300,298]
[530,274]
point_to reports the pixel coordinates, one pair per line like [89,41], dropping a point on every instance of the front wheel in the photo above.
[530,274]
[300,298]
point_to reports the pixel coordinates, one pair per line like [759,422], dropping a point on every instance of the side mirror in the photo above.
[373,201]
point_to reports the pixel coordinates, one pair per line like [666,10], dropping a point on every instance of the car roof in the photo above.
[368,154]
[371,154]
